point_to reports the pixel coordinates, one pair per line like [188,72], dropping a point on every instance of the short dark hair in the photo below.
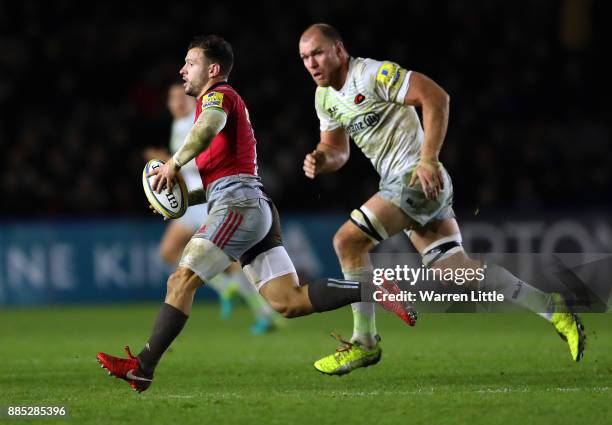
[328,32]
[216,49]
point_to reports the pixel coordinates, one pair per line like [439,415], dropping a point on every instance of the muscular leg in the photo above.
[182,285]
[171,247]
[181,288]
[286,297]
[352,247]
[496,277]
[208,260]
[290,299]
[273,273]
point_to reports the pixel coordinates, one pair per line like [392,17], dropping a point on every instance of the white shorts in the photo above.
[268,265]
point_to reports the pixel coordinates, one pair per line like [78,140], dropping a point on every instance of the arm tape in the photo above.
[208,125]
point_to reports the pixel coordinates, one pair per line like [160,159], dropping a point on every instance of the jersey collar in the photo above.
[348,76]
[220,83]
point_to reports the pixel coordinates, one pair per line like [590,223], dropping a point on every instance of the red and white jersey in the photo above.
[233,150]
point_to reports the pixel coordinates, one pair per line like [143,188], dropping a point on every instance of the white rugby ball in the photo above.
[169,204]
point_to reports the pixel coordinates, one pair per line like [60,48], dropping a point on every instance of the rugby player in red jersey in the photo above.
[242,223]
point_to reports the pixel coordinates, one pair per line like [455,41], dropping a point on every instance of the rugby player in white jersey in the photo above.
[179,232]
[373,103]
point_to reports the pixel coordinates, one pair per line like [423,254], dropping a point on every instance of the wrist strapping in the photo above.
[177,162]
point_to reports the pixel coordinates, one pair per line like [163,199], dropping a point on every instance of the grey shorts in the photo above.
[194,217]
[242,230]
[412,201]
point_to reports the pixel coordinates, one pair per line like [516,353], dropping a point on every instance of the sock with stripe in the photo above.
[329,294]
[516,291]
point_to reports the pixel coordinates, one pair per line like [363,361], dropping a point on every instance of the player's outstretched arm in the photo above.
[208,125]
[331,153]
[210,122]
[434,103]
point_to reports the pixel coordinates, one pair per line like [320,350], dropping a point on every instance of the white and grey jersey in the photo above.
[180,129]
[370,107]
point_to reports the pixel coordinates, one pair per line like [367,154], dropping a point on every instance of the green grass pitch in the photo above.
[449,369]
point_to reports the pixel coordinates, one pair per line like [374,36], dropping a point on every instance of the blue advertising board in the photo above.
[49,262]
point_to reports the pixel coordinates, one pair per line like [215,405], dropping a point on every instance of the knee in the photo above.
[179,283]
[349,242]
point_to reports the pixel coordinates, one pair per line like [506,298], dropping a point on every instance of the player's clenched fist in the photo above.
[313,163]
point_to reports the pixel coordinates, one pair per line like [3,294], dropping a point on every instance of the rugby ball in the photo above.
[169,204]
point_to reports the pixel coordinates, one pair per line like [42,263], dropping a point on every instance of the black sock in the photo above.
[168,325]
[330,294]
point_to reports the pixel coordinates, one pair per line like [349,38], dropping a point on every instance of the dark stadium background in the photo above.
[82,92]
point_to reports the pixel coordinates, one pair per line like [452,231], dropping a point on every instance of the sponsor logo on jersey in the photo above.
[369,120]
[359,98]
[389,74]
[212,100]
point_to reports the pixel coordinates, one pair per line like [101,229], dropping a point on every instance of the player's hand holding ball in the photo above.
[165,189]
[166,175]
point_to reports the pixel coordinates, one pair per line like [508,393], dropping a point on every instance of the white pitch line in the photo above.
[419,391]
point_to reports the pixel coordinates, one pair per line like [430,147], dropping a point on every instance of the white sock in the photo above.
[515,290]
[364,319]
